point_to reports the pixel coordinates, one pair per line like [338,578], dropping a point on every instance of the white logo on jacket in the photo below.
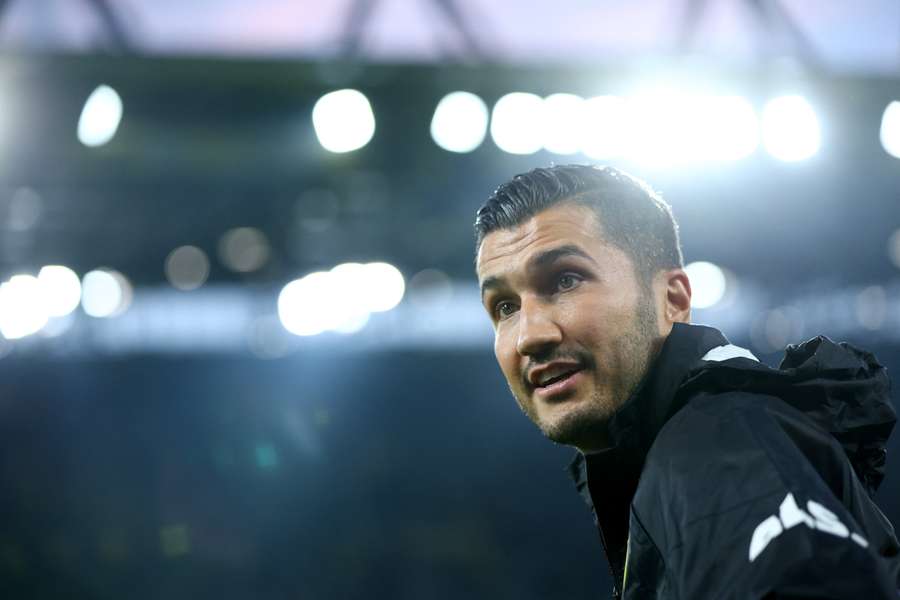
[790,515]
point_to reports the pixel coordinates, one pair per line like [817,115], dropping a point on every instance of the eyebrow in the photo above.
[539,261]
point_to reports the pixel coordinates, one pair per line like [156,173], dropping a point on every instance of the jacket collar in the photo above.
[633,428]
[607,480]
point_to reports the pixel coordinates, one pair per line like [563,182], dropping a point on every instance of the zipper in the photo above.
[616,594]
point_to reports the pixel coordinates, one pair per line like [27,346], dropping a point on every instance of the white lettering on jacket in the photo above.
[790,515]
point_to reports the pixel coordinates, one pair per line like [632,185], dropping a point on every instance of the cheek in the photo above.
[596,316]
[505,352]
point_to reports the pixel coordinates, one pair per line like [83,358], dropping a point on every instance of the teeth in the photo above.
[555,374]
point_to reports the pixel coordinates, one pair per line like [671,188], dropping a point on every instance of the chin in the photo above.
[581,426]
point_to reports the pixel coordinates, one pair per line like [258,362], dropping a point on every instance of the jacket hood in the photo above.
[841,388]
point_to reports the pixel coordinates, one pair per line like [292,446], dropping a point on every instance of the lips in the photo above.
[560,388]
[546,375]
[557,378]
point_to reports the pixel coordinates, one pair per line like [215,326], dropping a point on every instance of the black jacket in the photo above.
[729,479]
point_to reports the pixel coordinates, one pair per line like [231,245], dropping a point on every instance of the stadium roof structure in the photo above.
[857,37]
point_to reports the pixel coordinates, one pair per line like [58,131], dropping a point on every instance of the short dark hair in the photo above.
[632,216]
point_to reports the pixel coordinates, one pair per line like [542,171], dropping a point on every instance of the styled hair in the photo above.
[631,215]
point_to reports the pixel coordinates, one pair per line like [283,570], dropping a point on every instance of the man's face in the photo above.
[557,293]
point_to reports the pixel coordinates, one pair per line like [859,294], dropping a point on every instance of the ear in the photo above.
[677,307]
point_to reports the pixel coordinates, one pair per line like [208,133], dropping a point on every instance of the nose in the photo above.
[538,330]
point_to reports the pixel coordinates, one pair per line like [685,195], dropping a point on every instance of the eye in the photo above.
[503,309]
[567,281]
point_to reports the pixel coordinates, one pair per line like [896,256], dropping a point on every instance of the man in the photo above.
[710,475]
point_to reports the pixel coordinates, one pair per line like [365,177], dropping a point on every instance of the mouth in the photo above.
[560,385]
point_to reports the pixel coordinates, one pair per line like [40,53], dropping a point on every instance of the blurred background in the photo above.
[243,354]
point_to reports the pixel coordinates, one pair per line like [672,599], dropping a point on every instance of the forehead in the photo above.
[563,223]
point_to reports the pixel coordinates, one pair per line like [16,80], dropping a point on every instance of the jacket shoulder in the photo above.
[711,424]
[718,472]
[722,451]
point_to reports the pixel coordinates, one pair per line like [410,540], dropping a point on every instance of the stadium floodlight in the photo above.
[708,283]
[100,117]
[384,286]
[341,299]
[105,293]
[517,123]
[22,307]
[61,289]
[460,122]
[661,127]
[350,297]
[604,128]
[671,126]
[727,128]
[564,122]
[890,129]
[790,128]
[304,305]
[343,121]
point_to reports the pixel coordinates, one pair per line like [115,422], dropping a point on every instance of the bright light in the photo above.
[890,129]
[353,324]
[60,288]
[708,284]
[384,286]
[660,127]
[351,297]
[22,308]
[304,305]
[105,293]
[605,127]
[100,117]
[343,121]
[564,123]
[671,127]
[667,126]
[460,122]
[517,123]
[187,268]
[727,128]
[339,300]
[790,128]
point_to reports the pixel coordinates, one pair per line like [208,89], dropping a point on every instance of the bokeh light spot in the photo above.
[790,128]
[343,121]
[244,249]
[890,129]
[708,283]
[105,293]
[517,123]
[460,122]
[61,289]
[100,117]
[22,307]
[187,268]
